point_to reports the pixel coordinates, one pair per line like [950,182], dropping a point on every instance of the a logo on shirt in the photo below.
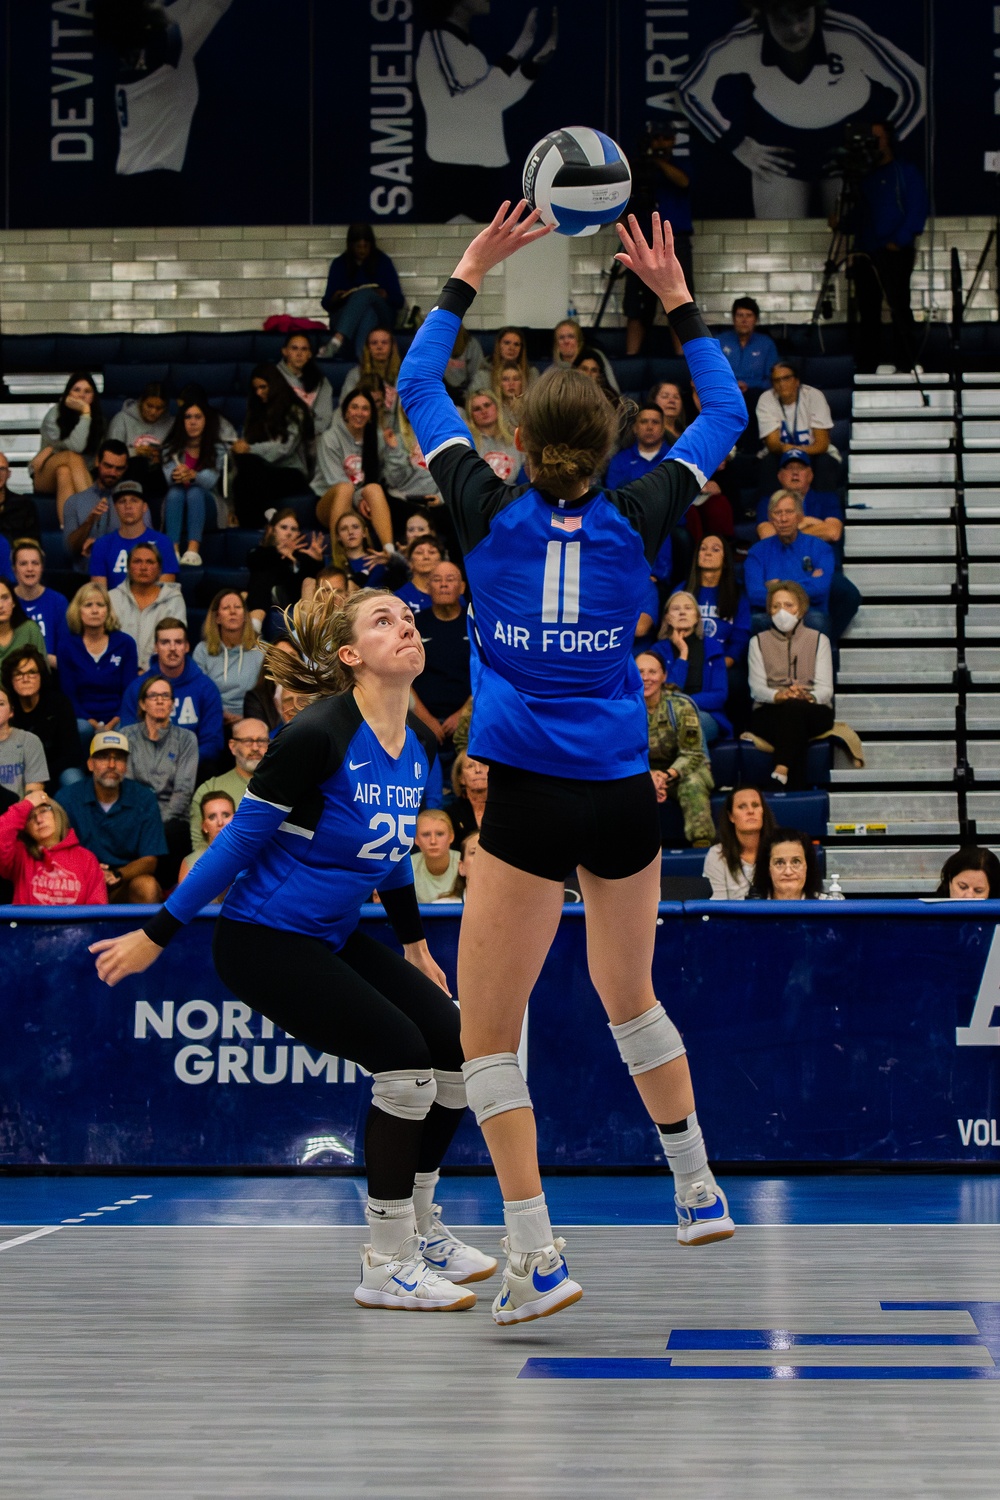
[418,770]
[567,523]
[116,661]
[501,465]
[356,765]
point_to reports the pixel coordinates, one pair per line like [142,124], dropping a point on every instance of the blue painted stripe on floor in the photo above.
[662,1369]
[777,1339]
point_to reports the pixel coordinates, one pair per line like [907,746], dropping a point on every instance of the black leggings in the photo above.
[338,1003]
[789,727]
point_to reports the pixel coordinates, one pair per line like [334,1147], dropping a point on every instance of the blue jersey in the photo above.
[328,817]
[109,558]
[558,587]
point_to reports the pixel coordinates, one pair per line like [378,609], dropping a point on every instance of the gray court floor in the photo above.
[231,1362]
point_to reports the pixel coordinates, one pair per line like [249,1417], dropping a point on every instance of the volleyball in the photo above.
[578,179]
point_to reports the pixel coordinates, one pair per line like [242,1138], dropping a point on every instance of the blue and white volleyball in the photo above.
[578,179]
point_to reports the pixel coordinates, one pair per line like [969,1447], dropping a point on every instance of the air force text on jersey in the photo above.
[553,639]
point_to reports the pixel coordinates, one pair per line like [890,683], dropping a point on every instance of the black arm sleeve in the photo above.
[403,912]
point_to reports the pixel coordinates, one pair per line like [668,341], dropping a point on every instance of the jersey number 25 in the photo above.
[402,828]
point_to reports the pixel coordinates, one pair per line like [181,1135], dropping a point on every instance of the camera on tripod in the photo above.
[855,157]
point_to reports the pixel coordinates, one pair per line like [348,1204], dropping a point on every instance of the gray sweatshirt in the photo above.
[78,440]
[234,672]
[338,461]
[319,401]
[140,624]
[285,453]
[168,766]
[128,426]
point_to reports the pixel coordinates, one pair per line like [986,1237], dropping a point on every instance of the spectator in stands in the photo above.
[891,214]
[39,707]
[752,355]
[99,659]
[42,855]
[362,291]
[143,426]
[47,607]
[16,629]
[792,415]
[725,610]
[647,452]
[509,348]
[334,581]
[469,783]
[298,366]
[379,361]
[354,463]
[91,515]
[668,396]
[283,568]
[355,552]
[493,439]
[435,862]
[272,456]
[145,598]
[164,758]
[745,821]
[229,652]
[787,869]
[71,432]
[248,744]
[263,698]
[589,363]
[193,462]
[195,394]
[425,554]
[23,767]
[791,683]
[677,760]
[418,523]
[822,516]
[216,810]
[442,690]
[970,874]
[118,821]
[18,513]
[109,556]
[467,360]
[694,664]
[510,389]
[567,345]
[790,554]
[197,702]
[468,850]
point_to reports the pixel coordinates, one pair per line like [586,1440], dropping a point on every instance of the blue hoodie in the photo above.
[197,704]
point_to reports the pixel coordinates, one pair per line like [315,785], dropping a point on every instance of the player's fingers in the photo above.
[102,946]
[538,234]
[625,260]
[501,214]
[624,236]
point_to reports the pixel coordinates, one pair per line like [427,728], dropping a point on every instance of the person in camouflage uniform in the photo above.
[677,759]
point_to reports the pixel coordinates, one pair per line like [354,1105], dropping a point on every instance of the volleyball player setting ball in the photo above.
[329,814]
[555,571]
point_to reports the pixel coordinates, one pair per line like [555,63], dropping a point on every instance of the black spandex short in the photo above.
[547,825]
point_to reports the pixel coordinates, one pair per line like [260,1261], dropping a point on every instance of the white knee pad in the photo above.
[494,1085]
[407,1093]
[648,1041]
[450,1089]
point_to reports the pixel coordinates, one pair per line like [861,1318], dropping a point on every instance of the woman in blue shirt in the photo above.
[725,609]
[329,813]
[560,719]
[694,664]
[97,661]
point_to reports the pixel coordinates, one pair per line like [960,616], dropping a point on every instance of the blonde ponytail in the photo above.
[319,627]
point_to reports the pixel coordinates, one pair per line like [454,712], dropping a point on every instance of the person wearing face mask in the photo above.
[787,869]
[694,664]
[745,822]
[791,683]
[970,874]
[248,742]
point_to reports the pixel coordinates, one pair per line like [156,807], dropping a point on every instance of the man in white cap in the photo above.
[118,821]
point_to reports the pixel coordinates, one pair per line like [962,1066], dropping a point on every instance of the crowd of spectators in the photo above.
[110,704]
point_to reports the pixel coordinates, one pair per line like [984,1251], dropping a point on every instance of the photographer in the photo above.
[657,183]
[891,211]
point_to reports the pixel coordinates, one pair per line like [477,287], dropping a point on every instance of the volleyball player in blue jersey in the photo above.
[558,572]
[329,814]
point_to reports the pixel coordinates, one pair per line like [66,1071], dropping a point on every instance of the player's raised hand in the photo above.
[655,261]
[509,232]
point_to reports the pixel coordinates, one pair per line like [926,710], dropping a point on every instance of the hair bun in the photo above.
[557,453]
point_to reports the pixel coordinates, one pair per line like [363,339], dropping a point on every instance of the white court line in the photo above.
[285,1225]
[36,1234]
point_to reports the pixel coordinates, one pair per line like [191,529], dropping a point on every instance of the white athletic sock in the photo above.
[390,1222]
[686,1156]
[335,342]
[528,1226]
[424,1188]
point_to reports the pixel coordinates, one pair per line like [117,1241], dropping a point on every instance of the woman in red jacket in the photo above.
[40,853]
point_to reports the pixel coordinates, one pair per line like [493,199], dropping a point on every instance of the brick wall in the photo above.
[163,280]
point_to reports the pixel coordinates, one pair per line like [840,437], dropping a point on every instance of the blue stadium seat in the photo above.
[228,549]
[265,348]
[840,435]
[725,758]
[217,379]
[757,765]
[86,351]
[54,547]
[667,369]
[827,370]
[682,862]
[29,351]
[841,402]
[244,370]
[631,374]
[111,406]
[219,346]
[48,514]
[233,408]
[128,380]
[334,370]
[152,348]
[195,621]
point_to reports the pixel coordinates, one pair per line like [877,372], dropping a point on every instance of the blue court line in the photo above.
[662,1369]
[573,1201]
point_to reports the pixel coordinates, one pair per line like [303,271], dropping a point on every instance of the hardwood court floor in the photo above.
[193,1360]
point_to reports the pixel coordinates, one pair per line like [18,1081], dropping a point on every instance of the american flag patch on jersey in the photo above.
[567,523]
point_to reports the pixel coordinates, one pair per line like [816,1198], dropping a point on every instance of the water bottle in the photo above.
[571,311]
[834,893]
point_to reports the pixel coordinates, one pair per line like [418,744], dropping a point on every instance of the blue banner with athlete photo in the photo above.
[854,1032]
